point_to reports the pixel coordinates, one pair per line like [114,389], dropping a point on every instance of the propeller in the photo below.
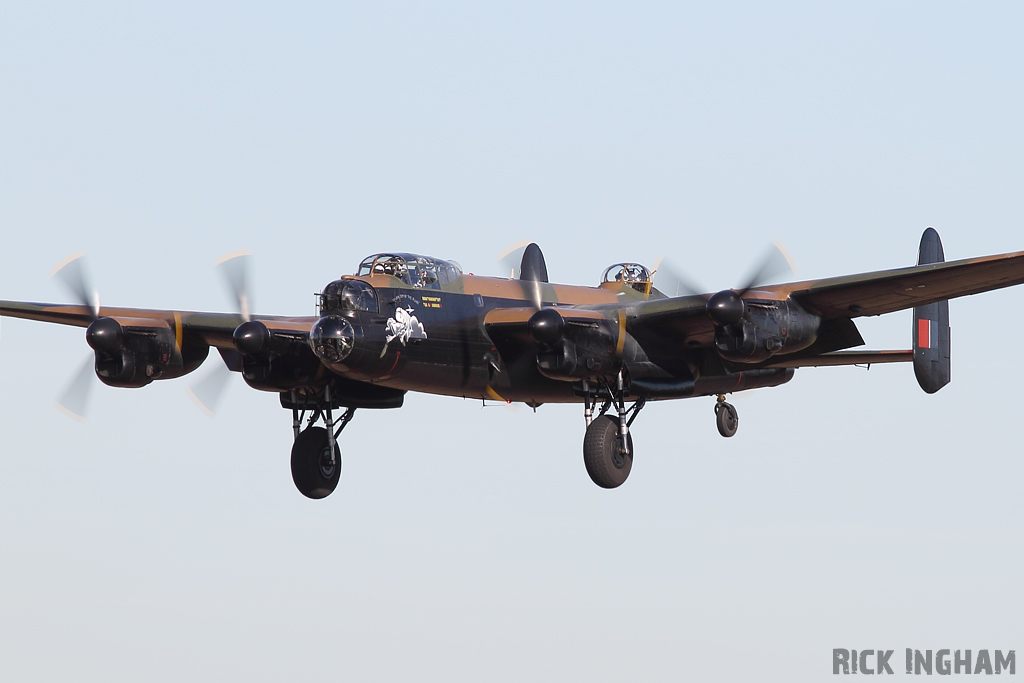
[727,308]
[533,291]
[776,261]
[71,272]
[234,268]
[208,391]
[524,261]
[511,259]
[671,282]
[74,402]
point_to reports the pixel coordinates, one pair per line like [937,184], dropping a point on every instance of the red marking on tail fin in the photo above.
[924,333]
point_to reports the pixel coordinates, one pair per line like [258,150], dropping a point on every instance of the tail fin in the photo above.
[533,266]
[931,326]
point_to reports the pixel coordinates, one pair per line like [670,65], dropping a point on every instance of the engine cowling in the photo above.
[576,345]
[132,352]
[273,360]
[762,329]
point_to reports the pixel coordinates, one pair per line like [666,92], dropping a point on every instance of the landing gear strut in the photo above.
[608,445]
[726,417]
[316,456]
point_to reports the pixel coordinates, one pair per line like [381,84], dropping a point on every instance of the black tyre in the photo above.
[606,464]
[727,418]
[312,471]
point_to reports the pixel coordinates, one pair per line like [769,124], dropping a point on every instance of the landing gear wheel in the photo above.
[312,471]
[727,418]
[606,464]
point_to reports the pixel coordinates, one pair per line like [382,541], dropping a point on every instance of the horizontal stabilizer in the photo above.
[846,358]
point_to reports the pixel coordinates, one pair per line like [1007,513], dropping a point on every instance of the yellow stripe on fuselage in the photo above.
[621,343]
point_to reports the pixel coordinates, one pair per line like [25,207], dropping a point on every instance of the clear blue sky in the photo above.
[468,544]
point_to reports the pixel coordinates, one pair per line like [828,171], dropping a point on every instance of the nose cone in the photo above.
[105,335]
[546,326]
[725,308]
[332,338]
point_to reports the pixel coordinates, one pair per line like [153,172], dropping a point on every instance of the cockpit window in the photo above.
[348,295]
[632,274]
[413,270]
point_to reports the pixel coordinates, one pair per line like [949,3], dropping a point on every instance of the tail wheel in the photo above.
[606,464]
[727,418]
[314,474]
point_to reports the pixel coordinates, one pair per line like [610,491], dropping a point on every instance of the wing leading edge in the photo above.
[901,288]
[684,320]
[215,329]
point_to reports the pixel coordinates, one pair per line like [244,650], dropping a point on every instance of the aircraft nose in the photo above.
[332,338]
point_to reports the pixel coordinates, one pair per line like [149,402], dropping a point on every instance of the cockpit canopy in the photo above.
[631,274]
[412,269]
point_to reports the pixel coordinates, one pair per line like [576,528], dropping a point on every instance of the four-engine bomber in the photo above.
[405,322]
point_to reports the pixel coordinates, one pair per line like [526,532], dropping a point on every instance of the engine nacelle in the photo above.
[766,328]
[132,352]
[280,373]
[273,360]
[575,346]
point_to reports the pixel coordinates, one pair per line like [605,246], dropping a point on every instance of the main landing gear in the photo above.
[608,445]
[726,417]
[316,456]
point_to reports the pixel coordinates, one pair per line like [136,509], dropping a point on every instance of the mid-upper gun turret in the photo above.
[632,275]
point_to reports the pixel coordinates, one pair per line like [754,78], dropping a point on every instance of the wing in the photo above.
[894,290]
[510,327]
[681,322]
[213,329]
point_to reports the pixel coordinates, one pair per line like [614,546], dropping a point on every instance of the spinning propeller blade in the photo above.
[727,307]
[74,402]
[532,288]
[775,262]
[71,273]
[671,282]
[234,268]
[511,259]
[207,392]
